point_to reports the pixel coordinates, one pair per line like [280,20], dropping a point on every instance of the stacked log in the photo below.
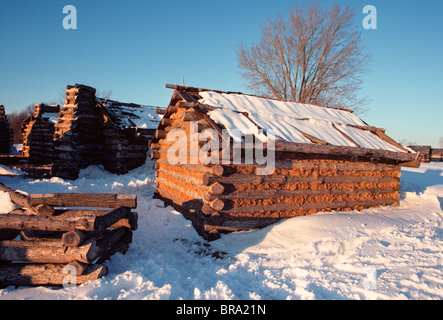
[228,197]
[436,154]
[77,134]
[5,132]
[56,245]
[125,145]
[425,152]
[38,135]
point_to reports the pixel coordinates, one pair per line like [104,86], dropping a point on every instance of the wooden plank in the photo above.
[103,200]
[240,178]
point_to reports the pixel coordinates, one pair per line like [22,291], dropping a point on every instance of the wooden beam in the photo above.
[85,223]
[103,200]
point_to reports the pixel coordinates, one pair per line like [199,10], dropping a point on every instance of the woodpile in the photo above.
[5,132]
[77,134]
[231,196]
[38,134]
[46,243]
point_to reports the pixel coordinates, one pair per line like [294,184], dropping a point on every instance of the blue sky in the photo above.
[135,47]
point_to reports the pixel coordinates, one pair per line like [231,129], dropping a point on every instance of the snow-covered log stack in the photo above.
[63,246]
[77,134]
[5,132]
[38,134]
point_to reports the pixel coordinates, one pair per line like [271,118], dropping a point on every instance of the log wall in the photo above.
[5,132]
[85,134]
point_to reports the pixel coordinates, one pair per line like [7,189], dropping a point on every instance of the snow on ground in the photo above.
[378,253]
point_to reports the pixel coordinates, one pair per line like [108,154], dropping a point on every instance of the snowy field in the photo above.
[379,253]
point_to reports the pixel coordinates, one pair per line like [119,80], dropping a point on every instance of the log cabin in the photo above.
[5,132]
[305,159]
[38,133]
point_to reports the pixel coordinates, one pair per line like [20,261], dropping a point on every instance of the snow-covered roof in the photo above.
[290,121]
[127,115]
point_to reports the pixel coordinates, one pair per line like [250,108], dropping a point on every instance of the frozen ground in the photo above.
[380,253]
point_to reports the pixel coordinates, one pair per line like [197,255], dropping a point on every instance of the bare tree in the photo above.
[441,142]
[315,56]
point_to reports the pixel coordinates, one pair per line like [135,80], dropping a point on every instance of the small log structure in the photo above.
[308,177]
[38,134]
[436,154]
[93,130]
[5,132]
[46,234]
[425,152]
